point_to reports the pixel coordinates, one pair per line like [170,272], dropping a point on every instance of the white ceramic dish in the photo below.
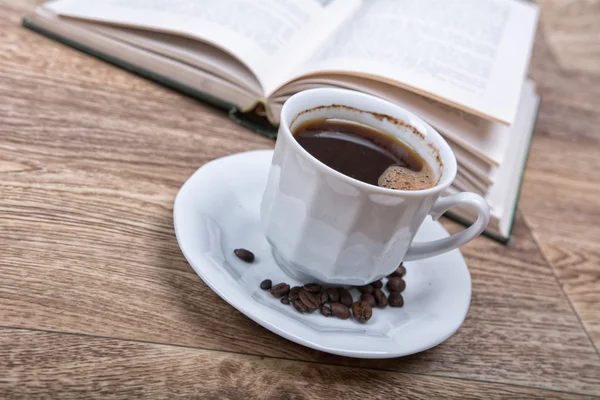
[217,210]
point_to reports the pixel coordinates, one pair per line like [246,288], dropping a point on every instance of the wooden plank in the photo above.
[562,187]
[562,209]
[84,262]
[576,264]
[573,30]
[75,366]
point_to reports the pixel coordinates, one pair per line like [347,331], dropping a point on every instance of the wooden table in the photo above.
[97,300]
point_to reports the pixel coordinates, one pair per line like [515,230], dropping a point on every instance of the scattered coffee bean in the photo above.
[312,287]
[340,310]
[396,299]
[333,295]
[309,300]
[323,297]
[366,289]
[281,289]
[312,296]
[244,255]
[369,298]
[345,297]
[396,284]
[381,300]
[326,311]
[266,284]
[399,272]
[294,292]
[362,311]
[299,306]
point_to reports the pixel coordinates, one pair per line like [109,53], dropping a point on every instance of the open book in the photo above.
[459,64]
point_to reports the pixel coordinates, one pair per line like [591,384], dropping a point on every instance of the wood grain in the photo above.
[122,370]
[562,186]
[91,158]
[572,28]
[518,322]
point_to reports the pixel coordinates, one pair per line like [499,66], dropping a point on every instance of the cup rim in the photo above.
[449,165]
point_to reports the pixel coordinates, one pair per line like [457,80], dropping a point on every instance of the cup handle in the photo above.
[420,250]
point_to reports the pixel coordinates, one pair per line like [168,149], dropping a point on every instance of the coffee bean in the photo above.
[396,284]
[244,255]
[312,296]
[366,289]
[345,297]
[369,298]
[294,292]
[399,272]
[312,287]
[309,300]
[322,297]
[266,284]
[396,300]
[362,311]
[281,289]
[381,300]
[299,306]
[333,295]
[340,310]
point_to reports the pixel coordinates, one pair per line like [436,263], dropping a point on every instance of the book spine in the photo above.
[248,121]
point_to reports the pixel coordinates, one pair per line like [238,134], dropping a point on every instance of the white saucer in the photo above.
[217,210]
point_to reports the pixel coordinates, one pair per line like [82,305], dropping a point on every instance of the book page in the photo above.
[191,52]
[476,167]
[254,31]
[471,54]
[503,194]
[194,81]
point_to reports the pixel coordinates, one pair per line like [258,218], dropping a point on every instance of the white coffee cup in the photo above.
[325,226]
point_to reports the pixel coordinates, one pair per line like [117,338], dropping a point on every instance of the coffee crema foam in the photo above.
[401,178]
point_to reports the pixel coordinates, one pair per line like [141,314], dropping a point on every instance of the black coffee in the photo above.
[366,154]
